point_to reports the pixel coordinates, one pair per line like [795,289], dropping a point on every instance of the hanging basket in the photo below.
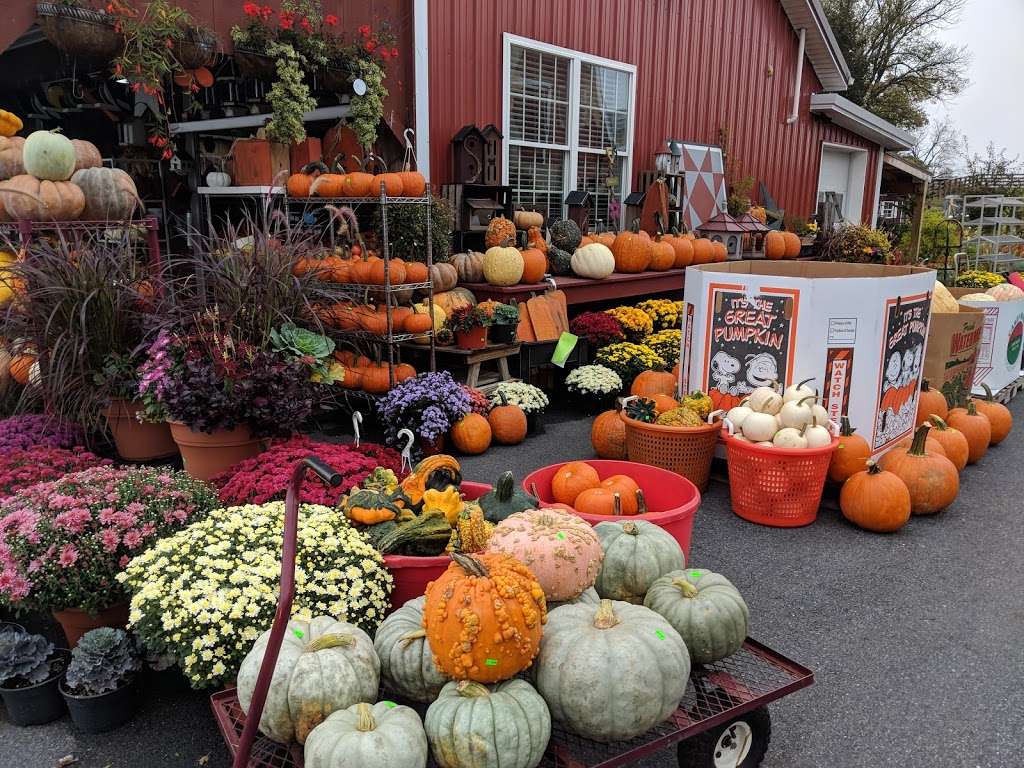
[254,64]
[334,79]
[198,49]
[79,31]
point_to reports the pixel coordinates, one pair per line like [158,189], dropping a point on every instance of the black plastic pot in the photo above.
[39,703]
[503,333]
[592,404]
[11,625]
[105,712]
[535,423]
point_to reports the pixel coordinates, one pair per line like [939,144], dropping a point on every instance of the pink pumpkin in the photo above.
[560,549]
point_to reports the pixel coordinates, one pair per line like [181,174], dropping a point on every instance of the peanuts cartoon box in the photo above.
[858,330]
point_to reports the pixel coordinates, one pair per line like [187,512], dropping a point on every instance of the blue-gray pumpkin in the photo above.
[636,553]
[407,666]
[380,735]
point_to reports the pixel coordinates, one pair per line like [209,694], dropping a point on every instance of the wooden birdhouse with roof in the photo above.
[492,154]
[468,155]
[723,228]
[753,241]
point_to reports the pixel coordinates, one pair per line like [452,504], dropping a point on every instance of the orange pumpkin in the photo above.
[416,272]
[663,403]
[572,479]
[931,446]
[930,402]
[774,245]
[663,255]
[451,300]
[626,487]
[472,634]
[849,456]
[535,264]
[650,383]
[608,436]
[631,250]
[300,184]
[20,367]
[392,182]
[793,245]
[357,184]
[703,252]
[932,480]
[327,185]
[875,500]
[976,428]
[399,315]
[418,322]
[599,501]
[396,270]
[376,378]
[683,248]
[404,371]
[472,434]
[719,252]
[999,416]
[413,183]
[508,422]
[952,441]
[374,322]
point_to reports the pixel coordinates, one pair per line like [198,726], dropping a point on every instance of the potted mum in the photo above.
[428,404]
[63,542]
[136,420]
[469,324]
[30,671]
[529,398]
[504,324]
[100,684]
[593,387]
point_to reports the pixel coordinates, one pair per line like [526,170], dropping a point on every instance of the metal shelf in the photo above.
[355,200]
[985,220]
[252,121]
[996,240]
[395,338]
[374,288]
[240,191]
[994,202]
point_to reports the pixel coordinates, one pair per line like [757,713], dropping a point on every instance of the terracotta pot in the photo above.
[138,440]
[431,447]
[205,455]
[76,622]
[474,339]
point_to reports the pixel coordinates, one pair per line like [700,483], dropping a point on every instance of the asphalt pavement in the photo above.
[916,638]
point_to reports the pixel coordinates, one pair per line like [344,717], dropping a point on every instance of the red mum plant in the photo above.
[40,463]
[478,401]
[265,477]
[598,328]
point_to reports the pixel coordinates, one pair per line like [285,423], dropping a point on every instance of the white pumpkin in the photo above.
[383,735]
[1005,292]
[797,413]
[503,265]
[976,297]
[798,391]
[765,400]
[218,179]
[594,260]
[758,427]
[817,436]
[766,444]
[787,437]
[819,414]
[738,414]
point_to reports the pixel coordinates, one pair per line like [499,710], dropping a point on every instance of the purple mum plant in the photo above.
[428,404]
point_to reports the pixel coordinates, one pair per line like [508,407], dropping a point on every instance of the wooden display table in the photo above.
[473,359]
[582,291]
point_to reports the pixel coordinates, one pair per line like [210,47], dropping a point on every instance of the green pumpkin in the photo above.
[705,609]
[324,665]
[363,736]
[565,235]
[406,662]
[636,554]
[49,155]
[505,499]
[560,261]
[611,672]
[472,725]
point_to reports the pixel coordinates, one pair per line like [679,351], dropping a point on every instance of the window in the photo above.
[568,125]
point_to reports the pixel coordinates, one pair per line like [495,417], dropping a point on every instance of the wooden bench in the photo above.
[472,359]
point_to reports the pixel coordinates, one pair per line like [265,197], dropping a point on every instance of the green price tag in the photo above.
[491,662]
[566,344]
[389,704]
[694,574]
[299,633]
[660,634]
[560,535]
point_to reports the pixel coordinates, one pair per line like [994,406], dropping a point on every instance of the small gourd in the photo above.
[406,662]
[381,735]
[738,414]
[789,437]
[760,427]
[505,499]
[636,553]
[797,413]
[817,436]
[765,400]
[798,391]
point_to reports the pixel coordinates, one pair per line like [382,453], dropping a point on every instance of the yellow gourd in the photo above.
[10,123]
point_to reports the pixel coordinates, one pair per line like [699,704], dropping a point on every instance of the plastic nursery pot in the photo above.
[591,404]
[11,626]
[138,440]
[413,574]
[76,622]
[207,454]
[503,333]
[535,423]
[671,499]
[105,711]
[39,703]
[474,339]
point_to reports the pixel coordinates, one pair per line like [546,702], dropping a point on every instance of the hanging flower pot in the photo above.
[76,622]
[208,454]
[335,80]
[79,31]
[254,64]
[197,49]
[40,703]
[138,440]
[475,338]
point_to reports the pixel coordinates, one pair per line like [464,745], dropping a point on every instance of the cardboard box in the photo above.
[258,162]
[999,352]
[953,342]
[858,330]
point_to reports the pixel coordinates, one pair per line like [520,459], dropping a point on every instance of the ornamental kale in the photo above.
[104,660]
[428,404]
[309,348]
[24,658]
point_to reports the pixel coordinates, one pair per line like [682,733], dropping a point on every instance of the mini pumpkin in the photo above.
[875,500]
[999,416]
[930,402]
[850,454]
[952,441]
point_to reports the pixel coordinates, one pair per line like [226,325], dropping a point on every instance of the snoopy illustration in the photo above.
[915,371]
[762,371]
[724,368]
[893,368]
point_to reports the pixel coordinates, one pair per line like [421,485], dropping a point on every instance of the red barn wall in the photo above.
[701,66]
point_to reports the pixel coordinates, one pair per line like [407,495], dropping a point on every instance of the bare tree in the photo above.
[895,58]
[993,163]
[938,146]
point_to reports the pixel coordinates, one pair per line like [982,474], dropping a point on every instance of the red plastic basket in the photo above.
[780,487]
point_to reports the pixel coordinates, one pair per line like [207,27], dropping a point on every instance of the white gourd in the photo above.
[796,413]
[765,400]
[819,414]
[594,261]
[741,438]
[760,426]
[817,436]
[766,444]
[737,414]
[797,391]
[787,437]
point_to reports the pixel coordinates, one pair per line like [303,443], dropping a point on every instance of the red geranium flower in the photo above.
[305,24]
[331,20]
[365,30]
[370,45]
[266,12]
[394,53]
[251,9]
[385,53]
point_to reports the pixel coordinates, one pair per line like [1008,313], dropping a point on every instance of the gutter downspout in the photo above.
[421,35]
[799,79]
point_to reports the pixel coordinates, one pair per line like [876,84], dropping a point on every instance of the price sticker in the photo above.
[491,662]
[389,704]
[660,634]
[695,574]
[560,535]
[298,633]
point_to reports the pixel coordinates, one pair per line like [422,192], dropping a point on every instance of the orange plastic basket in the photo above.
[687,451]
[780,487]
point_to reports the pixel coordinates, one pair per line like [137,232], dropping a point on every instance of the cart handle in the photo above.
[284,603]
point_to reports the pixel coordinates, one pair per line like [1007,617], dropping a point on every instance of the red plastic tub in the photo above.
[671,498]
[412,574]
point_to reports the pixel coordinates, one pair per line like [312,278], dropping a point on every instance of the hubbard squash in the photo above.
[566,235]
[559,261]
[505,499]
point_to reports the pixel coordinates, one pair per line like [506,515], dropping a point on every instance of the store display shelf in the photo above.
[355,200]
[362,287]
[985,220]
[995,240]
[243,191]
[579,290]
[395,338]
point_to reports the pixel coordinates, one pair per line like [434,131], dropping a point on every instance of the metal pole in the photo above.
[430,279]
[387,284]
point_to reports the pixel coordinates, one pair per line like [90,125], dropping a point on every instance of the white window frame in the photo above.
[853,199]
[576,59]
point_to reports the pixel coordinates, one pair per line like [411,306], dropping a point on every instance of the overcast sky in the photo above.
[992,107]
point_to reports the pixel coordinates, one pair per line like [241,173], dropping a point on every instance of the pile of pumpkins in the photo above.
[497,674]
[317,180]
[49,177]
[567,251]
[919,475]
[504,424]
[1001,292]
[358,372]
[781,245]
[792,419]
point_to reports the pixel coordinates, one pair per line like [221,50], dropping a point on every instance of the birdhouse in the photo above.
[492,154]
[578,203]
[468,155]
[723,228]
[753,241]
[634,202]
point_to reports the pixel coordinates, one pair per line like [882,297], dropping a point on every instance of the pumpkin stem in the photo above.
[408,637]
[971,409]
[472,690]
[803,400]
[873,468]
[630,527]
[938,423]
[845,430]
[364,713]
[925,387]
[918,445]
[988,392]
[533,491]
[470,565]
[336,640]
[605,617]
[617,508]
[685,587]
[641,502]
[635,226]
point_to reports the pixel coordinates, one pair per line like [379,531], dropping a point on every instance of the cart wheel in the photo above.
[740,743]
